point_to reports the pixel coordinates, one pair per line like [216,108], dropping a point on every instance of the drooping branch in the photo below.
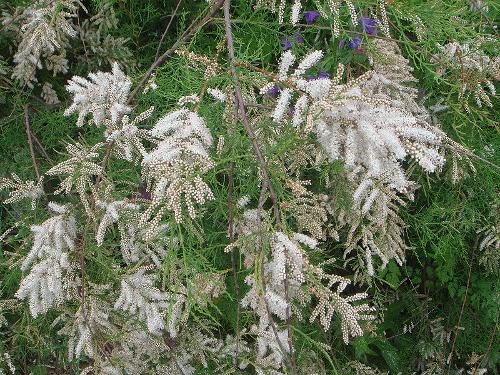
[240,104]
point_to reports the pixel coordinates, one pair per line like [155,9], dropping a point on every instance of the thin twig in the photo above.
[30,142]
[42,149]
[39,144]
[257,105]
[104,163]
[167,28]
[457,327]
[483,360]
[455,146]
[230,205]
[240,104]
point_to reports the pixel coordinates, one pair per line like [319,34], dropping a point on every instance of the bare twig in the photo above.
[240,104]
[30,142]
[39,144]
[42,149]
[167,28]
[457,327]
[230,205]
[104,163]
[455,146]
[258,105]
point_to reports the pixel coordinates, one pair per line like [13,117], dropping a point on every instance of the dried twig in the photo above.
[230,205]
[30,142]
[167,28]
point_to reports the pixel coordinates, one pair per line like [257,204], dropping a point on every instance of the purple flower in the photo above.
[323,74]
[311,15]
[369,25]
[274,91]
[298,38]
[355,42]
[342,43]
[286,43]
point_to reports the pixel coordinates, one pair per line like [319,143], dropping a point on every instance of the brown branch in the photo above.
[457,147]
[38,143]
[167,28]
[30,142]
[240,104]
[104,163]
[42,149]
[269,75]
[230,205]
[184,38]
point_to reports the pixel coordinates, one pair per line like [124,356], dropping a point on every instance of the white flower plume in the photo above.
[103,96]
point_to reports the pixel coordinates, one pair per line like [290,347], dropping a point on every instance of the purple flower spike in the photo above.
[369,25]
[342,43]
[286,43]
[311,15]
[355,42]
[274,91]
[321,74]
[298,38]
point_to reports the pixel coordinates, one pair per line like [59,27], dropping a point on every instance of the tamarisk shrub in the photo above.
[245,222]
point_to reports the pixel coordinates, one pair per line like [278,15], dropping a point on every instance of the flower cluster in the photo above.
[46,29]
[46,285]
[103,96]
[285,279]
[22,189]
[372,124]
[174,168]
[474,69]
[139,296]
[79,168]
